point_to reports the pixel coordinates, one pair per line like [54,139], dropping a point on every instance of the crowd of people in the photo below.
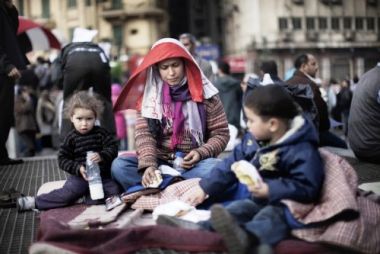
[185,107]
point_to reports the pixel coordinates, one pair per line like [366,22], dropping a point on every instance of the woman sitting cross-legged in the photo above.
[179,111]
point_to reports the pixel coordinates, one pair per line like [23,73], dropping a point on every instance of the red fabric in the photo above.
[128,240]
[160,52]
[26,24]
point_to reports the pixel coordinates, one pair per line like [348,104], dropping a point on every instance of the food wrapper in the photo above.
[158,180]
[247,173]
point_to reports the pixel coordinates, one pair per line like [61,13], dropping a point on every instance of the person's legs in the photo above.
[6,116]
[29,140]
[124,171]
[269,225]
[327,138]
[74,188]
[110,187]
[201,169]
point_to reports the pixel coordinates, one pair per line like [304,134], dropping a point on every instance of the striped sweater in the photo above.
[216,137]
[72,153]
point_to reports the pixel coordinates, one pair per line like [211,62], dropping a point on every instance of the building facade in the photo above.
[344,35]
[131,26]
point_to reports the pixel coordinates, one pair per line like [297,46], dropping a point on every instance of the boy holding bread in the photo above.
[282,146]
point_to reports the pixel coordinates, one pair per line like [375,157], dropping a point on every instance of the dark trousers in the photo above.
[266,222]
[28,139]
[74,188]
[7,112]
[82,71]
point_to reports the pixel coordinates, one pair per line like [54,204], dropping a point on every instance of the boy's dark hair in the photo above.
[300,60]
[269,67]
[224,67]
[271,101]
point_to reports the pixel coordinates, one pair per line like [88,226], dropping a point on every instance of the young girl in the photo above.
[282,145]
[83,111]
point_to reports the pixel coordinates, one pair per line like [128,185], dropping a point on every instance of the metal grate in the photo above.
[19,230]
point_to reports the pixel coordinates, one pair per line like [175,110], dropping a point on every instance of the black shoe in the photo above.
[177,223]
[9,161]
[8,198]
[236,239]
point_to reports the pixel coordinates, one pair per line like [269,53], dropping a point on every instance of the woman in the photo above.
[178,111]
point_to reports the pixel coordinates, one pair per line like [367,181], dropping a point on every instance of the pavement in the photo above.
[19,230]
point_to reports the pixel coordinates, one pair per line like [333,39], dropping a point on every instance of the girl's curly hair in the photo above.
[84,100]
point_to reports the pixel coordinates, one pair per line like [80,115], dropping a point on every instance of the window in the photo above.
[371,23]
[20,7]
[71,3]
[118,34]
[296,22]
[347,23]
[45,8]
[335,23]
[117,4]
[322,23]
[310,23]
[88,2]
[359,23]
[283,23]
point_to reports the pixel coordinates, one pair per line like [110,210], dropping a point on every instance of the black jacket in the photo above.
[10,53]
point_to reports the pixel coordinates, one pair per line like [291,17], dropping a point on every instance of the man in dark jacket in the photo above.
[364,119]
[306,69]
[230,93]
[12,60]
[85,65]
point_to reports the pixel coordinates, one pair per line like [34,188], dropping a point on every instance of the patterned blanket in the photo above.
[342,216]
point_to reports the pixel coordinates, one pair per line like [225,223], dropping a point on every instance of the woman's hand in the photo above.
[194,196]
[82,171]
[149,176]
[192,158]
[261,191]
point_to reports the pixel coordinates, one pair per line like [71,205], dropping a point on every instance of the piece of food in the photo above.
[246,173]
[158,180]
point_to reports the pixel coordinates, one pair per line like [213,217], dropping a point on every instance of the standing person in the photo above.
[12,60]
[364,119]
[230,93]
[85,65]
[82,109]
[189,41]
[45,115]
[270,67]
[306,69]
[343,103]
[26,123]
[283,146]
[120,121]
[180,111]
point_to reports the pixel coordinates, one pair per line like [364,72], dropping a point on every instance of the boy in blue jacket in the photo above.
[283,146]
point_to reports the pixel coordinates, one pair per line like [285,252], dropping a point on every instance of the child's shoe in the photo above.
[236,239]
[26,203]
[112,202]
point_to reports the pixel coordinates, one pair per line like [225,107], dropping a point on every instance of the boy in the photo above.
[283,146]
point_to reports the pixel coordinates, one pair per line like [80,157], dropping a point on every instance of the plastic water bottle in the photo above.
[94,178]
[177,163]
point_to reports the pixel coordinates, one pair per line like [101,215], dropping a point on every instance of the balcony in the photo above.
[126,12]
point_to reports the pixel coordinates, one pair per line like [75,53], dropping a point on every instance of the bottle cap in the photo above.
[179,154]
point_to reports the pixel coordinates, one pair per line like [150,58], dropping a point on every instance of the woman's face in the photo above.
[172,70]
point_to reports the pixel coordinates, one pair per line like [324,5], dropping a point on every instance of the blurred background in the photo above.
[343,34]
